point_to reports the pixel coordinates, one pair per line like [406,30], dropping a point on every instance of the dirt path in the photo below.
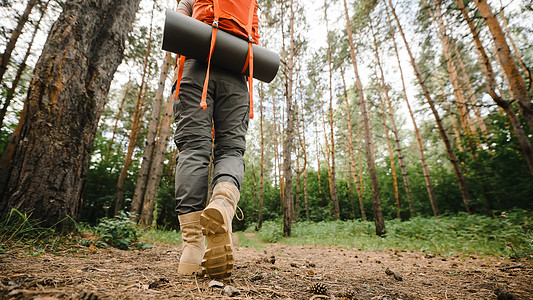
[277,271]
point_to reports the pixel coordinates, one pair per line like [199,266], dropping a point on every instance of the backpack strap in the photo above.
[180,74]
[217,13]
[250,59]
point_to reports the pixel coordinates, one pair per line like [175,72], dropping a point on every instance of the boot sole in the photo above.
[218,259]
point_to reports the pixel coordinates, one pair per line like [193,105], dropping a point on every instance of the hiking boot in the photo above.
[193,243]
[216,225]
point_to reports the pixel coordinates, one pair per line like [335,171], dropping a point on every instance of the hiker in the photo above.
[224,116]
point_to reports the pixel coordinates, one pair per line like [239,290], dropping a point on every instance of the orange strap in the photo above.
[249,63]
[180,73]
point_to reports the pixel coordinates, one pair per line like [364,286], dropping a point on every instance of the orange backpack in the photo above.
[238,17]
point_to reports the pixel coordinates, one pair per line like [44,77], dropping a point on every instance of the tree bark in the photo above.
[353,170]
[333,189]
[262,171]
[464,114]
[394,130]
[391,156]
[376,198]
[517,86]
[455,128]
[287,149]
[65,100]
[146,164]
[451,154]
[156,171]
[425,169]
[15,34]
[135,126]
[515,49]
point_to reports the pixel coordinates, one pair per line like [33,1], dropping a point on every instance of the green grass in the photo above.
[244,241]
[509,235]
[158,236]
[18,230]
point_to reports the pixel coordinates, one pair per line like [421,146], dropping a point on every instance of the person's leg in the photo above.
[231,123]
[193,139]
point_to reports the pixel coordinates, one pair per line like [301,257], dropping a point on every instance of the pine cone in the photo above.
[319,289]
[347,294]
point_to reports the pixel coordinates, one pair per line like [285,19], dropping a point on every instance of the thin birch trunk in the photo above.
[146,164]
[455,128]
[334,193]
[262,171]
[353,170]
[119,114]
[394,129]
[391,156]
[158,160]
[425,169]
[453,158]
[287,164]
[376,197]
[464,115]
[135,127]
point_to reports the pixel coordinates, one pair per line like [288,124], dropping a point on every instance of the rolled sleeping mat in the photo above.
[192,38]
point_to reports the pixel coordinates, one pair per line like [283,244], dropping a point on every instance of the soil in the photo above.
[274,272]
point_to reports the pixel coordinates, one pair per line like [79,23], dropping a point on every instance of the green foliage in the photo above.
[120,232]
[509,234]
[158,236]
[245,241]
[19,229]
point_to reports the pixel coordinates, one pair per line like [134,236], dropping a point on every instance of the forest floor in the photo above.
[273,271]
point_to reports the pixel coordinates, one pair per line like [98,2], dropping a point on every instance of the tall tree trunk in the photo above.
[22,66]
[156,171]
[334,194]
[455,128]
[287,149]
[353,170]
[146,165]
[451,154]
[472,99]
[348,179]
[464,114]
[490,82]
[391,156]
[425,169]
[376,198]
[277,158]
[515,49]
[262,171]
[517,86]
[15,34]
[317,156]
[135,126]
[65,100]
[394,130]
[119,113]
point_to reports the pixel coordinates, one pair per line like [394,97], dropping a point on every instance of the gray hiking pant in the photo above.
[228,110]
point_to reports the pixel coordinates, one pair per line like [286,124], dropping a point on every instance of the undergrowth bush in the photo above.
[120,232]
[510,234]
